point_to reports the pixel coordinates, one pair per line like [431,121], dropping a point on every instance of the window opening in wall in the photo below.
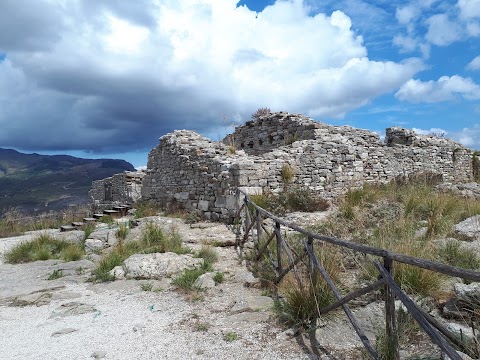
[270,139]
[108,192]
[242,145]
[250,145]
[260,142]
[455,155]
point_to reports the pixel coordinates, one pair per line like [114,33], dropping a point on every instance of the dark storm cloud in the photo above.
[107,76]
[28,25]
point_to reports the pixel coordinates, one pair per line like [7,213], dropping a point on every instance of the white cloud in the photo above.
[438,131]
[446,88]
[442,31]
[469,8]
[469,137]
[409,44]
[474,64]
[120,75]
[407,14]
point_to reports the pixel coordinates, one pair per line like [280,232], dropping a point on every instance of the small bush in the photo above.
[301,302]
[261,112]
[106,264]
[73,252]
[208,254]
[145,208]
[286,174]
[454,254]
[230,336]
[88,229]
[147,286]
[43,247]
[155,240]
[300,198]
[202,326]
[219,277]
[56,274]
[188,277]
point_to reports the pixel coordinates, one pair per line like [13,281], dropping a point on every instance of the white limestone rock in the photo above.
[157,265]
[469,229]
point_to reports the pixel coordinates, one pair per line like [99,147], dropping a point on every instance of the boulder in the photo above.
[205,281]
[93,245]
[469,229]
[158,265]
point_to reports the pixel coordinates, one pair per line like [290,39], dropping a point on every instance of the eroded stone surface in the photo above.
[469,229]
[157,265]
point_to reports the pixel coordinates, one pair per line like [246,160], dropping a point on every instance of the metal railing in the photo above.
[285,259]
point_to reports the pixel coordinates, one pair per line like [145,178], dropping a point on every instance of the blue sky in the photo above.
[108,78]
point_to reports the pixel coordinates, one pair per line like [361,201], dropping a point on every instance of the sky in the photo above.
[108,78]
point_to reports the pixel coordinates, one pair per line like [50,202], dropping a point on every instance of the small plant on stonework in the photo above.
[88,229]
[219,277]
[291,139]
[208,254]
[476,166]
[56,274]
[232,150]
[261,112]
[286,174]
[230,336]
[202,326]
[147,286]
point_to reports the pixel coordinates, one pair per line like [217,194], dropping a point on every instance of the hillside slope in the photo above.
[33,182]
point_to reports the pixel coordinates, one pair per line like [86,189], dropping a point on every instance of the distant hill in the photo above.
[33,182]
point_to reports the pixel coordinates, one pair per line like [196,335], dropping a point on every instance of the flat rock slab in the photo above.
[253,304]
[469,229]
[63,332]
[157,265]
[72,309]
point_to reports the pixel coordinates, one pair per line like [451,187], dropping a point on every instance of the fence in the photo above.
[284,259]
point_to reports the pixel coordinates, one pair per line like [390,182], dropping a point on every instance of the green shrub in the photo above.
[153,241]
[187,278]
[145,208]
[43,247]
[454,254]
[88,229]
[208,254]
[56,274]
[231,336]
[219,277]
[106,264]
[286,174]
[301,303]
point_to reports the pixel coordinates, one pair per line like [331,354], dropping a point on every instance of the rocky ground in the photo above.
[71,318]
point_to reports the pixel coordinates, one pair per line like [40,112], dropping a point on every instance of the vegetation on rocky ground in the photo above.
[153,240]
[44,247]
[186,279]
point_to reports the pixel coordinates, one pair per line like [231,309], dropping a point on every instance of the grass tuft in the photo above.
[44,247]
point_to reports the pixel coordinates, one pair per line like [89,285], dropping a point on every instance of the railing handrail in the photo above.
[366,249]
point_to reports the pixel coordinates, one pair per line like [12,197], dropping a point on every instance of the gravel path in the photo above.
[69,318]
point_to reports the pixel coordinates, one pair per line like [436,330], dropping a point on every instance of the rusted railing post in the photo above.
[247,217]
[278,235]
[259,229]
[390,317]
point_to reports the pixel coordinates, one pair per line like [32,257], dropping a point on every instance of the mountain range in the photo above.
[40,183]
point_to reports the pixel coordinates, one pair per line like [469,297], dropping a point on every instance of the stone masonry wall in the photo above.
[196,173]
[200,174]
[120,188]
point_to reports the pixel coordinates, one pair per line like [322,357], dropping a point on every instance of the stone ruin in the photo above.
[120,188]
[201,174]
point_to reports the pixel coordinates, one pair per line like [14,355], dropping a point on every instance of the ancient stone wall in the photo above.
[200,174]
[196,173]
[118,189]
